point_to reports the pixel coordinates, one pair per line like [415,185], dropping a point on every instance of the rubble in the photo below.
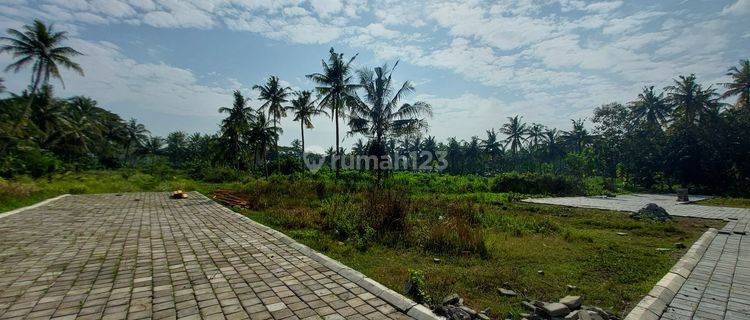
[453,308]
[568,308]
[652,211]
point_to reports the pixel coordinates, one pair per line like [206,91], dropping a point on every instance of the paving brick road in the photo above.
[142,255]
[718,284]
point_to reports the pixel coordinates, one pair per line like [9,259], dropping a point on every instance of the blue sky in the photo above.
[172,63]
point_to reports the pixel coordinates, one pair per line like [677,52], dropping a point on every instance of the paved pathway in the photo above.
[712,280]
[146,256]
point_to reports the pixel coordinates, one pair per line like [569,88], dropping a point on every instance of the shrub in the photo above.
[31,161]
[77,189]
[346,220]
[386,210]
[10,189]
[295,218]
[455,228]
[455,236]
[286,165]
[156,166]
[531,183]
[415,287]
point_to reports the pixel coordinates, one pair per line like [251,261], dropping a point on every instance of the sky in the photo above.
[172,63]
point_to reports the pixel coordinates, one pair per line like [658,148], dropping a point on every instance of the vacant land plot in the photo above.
[463,241]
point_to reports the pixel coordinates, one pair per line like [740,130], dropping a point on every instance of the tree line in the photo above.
[682,134]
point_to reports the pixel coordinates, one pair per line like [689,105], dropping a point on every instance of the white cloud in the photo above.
[143,4]
[295,11]
[326,7]
[739,8]
[113,8]
[631,23]
[380,31]
[603,6]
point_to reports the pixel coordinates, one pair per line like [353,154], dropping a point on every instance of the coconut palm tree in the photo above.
[380,115]
[336,88]
[430,145]
[304,108]
[153,145]
[87,109]
[359,147]
[492,146]
[79,135]
[650,108]
[136,136]
[263,133]
[516,132]
[234,130]
[551,138]
[275,96]
[42,47]
[690,100]
[48,114]
[176,148]
[578,138]
[740,85]
[535,135]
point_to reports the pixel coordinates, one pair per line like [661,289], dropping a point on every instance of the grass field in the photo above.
[483,240]
[583,250]
[726,202]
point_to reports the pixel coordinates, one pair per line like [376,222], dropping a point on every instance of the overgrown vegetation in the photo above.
[483,239]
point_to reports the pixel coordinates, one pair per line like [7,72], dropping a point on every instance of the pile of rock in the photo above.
[568,308]
[453,308]
[652,211]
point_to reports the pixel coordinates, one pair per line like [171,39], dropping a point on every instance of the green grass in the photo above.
[726,202]
[25,191]
[572,246]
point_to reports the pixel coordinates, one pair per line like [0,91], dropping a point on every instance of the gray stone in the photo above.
[452,312]
[572,302]
[468,310]
[529,305]
[451,299]
[573,315]
[507,292]
[555,309]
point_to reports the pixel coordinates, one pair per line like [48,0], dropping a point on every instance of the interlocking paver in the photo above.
[717,287]
[143,255]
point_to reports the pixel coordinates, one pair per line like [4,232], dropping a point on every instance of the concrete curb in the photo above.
[36,205]
[398,301]
[655,303]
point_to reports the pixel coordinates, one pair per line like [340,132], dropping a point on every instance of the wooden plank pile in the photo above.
[231,198]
